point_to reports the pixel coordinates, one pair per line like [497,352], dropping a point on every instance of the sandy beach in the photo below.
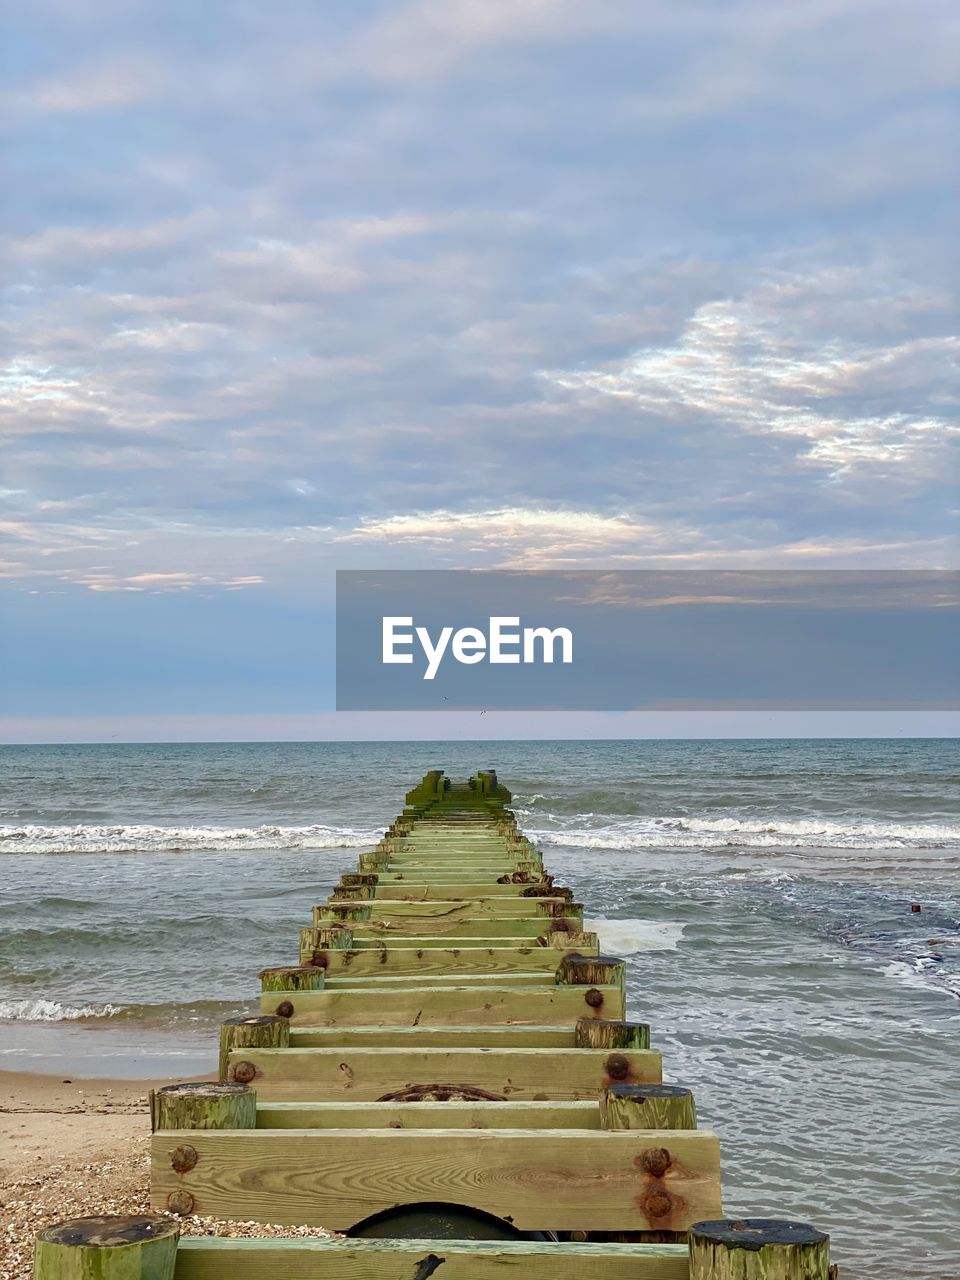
[67,1148]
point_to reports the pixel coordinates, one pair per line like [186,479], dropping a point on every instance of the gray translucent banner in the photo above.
[647,639]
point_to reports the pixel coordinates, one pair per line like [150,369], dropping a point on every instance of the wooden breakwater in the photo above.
[449,1075]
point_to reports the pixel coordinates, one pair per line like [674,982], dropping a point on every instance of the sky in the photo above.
[450,283]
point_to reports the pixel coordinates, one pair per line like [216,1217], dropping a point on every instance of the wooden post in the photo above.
[597,1033]
[297,977]
[647,1106]
[758,1249]
[591,971]
[264,1032]
[131,1247]
[203,1106]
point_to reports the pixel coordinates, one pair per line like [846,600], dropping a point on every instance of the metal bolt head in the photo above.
[285,1009]
[617,1066]
[181,1202]
[594,998]
[657,1204]
[243,1072]
[656,1161]
[184,1158]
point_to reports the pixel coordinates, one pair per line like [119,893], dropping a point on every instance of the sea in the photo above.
[790,910]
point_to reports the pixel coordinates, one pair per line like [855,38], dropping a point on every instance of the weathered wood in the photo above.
[446,1005]
[591,971]
[301,977]
[366,1075]
[422,961]
[210,1258]
[339,1177]
[203,1105]
[452,891]
[312,940]
[269,1031]
[626,1105]
[473,909]
[125,1247]
[429,1115]
[491,1037]
[598,1033]
[387,927]
[758,1249]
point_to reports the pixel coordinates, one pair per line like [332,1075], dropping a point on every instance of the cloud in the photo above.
[87,90]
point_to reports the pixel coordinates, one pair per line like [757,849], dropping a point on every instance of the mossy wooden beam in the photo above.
[267,1031]
[663,1181]
[458,926]
[446,1005]
[591,971]
[209,1258]
[472,908]
[409,890]
[124,1247]
[313,940]
[629,1105]
[366,1075]
[419,962]
[300,977]
[203,1105]
[758,1249]
[429,1115]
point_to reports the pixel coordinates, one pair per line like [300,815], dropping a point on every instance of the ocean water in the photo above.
[763,892]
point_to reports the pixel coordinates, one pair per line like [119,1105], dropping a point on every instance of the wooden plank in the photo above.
[398,925]
[212,1258]
[444,1005]
[586,943]
[365,1075]
[398,961]
[472,909]
[464,1037]
[425,891]
[518,978]
[539,1179]
[428,1115]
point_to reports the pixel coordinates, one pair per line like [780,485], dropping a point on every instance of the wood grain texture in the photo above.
[491,1037]
[428,1115]
[364,1075]
[443,1005]
[395,960]
[440,927]
[207,1258]
[319,939]
[449,891]
[539,1179]
[455,910]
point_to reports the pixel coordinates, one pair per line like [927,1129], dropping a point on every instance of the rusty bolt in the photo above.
[594,998]
[184,1158]
[285,1009]
[320,959]
[243,1072]
[657,1204]
[181,1202]
[617,1066]
[656,1161]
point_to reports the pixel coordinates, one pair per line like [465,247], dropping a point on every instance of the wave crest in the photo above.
[143,838]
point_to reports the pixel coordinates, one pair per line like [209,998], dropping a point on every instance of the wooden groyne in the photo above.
[448,1075]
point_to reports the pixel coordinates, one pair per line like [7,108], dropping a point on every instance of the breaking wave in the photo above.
[137,838]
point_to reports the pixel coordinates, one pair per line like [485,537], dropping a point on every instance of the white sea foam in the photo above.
[138,838]
[52,1011]
[627,937]
[808,833]
[922,975]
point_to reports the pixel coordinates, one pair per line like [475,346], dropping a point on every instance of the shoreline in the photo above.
[57,1162]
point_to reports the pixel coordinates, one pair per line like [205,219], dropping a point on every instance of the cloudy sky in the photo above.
[452,283]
